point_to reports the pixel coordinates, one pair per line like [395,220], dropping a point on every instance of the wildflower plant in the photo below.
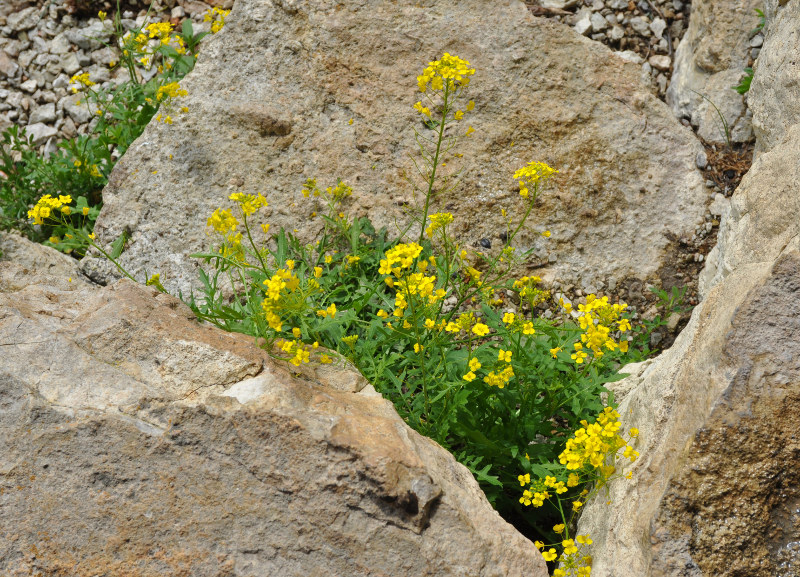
[429,322]
[426,320]
[155,57]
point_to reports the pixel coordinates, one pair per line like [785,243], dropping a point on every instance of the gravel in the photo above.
[41,47]
[649,28]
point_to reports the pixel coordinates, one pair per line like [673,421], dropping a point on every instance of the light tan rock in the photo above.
[270,104]
[710,59]
[134,441]
[33,256]
[774,94]
[764,216]
[714,492]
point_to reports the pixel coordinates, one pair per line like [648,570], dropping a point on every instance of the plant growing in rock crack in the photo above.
[80,167]
[500,389]
[747,78]
[425,320]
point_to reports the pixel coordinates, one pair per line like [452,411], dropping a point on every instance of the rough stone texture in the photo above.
[775,97]
[33,256]
[270,100]
[710,59]
[715,492]
[134,441]
[764,215]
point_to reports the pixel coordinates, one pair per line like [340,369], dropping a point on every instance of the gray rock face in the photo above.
[271,99]
[774,95]
[714,492]
[142,443]
[709,60]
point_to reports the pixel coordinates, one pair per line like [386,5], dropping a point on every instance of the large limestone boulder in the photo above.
[715,492]
[710,59]
[134,441]
[775,98]
[271,100]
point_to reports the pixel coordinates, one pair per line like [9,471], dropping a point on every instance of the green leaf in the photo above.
[119,245]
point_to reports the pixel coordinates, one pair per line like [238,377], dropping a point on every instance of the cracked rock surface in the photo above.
[135,441]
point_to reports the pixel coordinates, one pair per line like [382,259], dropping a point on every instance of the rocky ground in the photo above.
[43,44]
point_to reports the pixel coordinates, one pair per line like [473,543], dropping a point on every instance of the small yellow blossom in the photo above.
[550,554]
[480,329]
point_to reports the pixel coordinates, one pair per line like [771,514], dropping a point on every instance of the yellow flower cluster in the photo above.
[399,258]
[450,71]
[517,323]
[249,203]
[298,352]
[529,291]
[160,30]
[499,379]
[531,175]
[276,289]
[222,221]
[217,18]
[539,490]
[574,560]
[171,90]
[336,193]
[593,443]
[47,205]
[81,79]
[598,318]
[438,221]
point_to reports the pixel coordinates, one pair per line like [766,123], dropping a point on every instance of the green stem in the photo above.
[435,163]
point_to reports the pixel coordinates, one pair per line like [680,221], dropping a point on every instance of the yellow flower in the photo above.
[470,130]
[504,356]
[85,210]
[171,90]
[474,364]
[576,505]
[450,70]
[422,109]
[350,341]
[469,377]
[101,15]
[430,324]
[508,318]
[634,432]
[480,329]
[382,314]
[459,114]
[569,547]
[222,221]
[554,352]
[296,332]
[550,554]
[418,347]
[54,240]
[584,539]
[470,105]
[77,163]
